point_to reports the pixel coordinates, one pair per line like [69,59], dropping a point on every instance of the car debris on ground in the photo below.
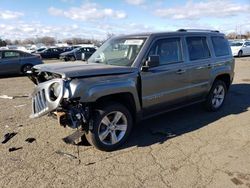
[14,149]
[30,140]
[66,154]
[8,136]
[13,97]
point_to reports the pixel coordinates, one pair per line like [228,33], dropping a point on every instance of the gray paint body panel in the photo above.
[159,87]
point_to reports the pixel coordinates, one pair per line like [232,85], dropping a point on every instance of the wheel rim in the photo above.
[112,128]
[218,96]
[27,68]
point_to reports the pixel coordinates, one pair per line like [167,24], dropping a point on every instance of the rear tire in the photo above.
[216,96]
[112,125]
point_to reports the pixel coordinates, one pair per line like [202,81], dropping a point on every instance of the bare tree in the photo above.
[232,35]
[49,41]
[2,43]
[28,41]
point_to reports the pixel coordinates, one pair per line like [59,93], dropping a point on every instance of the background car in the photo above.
[76,54]
[17,62]
[50,53]
[240,48]
[39,50]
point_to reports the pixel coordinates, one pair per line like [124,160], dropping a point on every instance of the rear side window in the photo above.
[197,48]
[23,54]
[169,50]
[247,43]
[220,45]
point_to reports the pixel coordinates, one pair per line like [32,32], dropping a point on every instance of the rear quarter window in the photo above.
[220,45]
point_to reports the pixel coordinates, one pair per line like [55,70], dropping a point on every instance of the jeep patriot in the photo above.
[131,78]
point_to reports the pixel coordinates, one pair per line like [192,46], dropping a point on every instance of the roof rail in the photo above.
[197,30]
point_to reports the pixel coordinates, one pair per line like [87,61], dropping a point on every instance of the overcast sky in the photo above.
[21,19]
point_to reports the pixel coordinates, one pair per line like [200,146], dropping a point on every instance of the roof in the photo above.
[178,32]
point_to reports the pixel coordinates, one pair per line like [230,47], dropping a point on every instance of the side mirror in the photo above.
[153,61]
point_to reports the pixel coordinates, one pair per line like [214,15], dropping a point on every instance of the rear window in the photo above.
[197,48]
[220,45]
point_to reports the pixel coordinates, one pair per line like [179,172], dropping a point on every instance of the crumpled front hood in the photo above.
[82,69]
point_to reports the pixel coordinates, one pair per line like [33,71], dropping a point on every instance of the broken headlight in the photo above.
[55,90]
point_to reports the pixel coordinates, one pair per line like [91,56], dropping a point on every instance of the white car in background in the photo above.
[240,48]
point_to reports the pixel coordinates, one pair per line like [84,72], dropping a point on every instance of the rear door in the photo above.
[167,84]
[200,64]
[10,62]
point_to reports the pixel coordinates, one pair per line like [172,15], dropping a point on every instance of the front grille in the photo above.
[42,103]
[39,103]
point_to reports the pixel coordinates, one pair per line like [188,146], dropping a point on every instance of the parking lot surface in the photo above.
[185,148]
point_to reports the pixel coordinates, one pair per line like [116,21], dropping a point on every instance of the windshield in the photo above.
[76,49]
[118,51]
[236,43]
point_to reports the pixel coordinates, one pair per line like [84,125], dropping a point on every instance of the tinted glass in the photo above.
[248,43]
[10,54]
[236,43]
[197,48]
[23,54]
[220,45]
[0,55]
[169,50]
[92,50]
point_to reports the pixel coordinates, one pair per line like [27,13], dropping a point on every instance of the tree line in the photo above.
[49,41]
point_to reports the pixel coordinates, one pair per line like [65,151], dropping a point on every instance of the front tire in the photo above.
[216,96]
[112,125]
[240,54]
[72,58]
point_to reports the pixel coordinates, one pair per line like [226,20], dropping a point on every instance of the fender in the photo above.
[90,91]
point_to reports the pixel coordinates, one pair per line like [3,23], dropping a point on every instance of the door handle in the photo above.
[180,71]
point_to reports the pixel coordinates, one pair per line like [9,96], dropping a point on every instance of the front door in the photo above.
[9,62]
[167,84]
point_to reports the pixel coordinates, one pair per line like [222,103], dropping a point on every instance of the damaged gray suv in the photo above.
[131,78]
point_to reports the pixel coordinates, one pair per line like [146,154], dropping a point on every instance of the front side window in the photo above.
[238,44]
[11,54]
[220,45]
[197,48]
[168,50]
[247,43]
[118,51]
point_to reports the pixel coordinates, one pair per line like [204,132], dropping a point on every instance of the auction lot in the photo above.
[185,148]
